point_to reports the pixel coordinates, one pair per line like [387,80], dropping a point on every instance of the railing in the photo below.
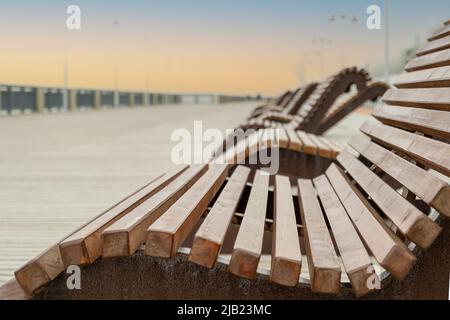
[25,99]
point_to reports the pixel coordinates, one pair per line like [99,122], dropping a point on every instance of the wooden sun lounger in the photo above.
[316,112]
[276,104]
[370,216]
[289,104]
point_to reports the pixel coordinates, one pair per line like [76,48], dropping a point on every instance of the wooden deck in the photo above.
[59,170]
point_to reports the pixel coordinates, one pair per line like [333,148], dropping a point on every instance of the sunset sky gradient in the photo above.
[215,46]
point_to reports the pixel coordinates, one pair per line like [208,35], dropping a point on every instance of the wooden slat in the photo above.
[12,291]
[430,78]
[165,235]
[272,137]
[324,267]
[248,245]
[291,97]
[295,143]
[251,148]
[295,97]
[432,153]
[261,142]
[427,98]
[40,270]
[425,185]
[283,139]
[265,139]
[242,150]
[430,122]
[48,264]
[269,138]
[85,246]
[435,46]
[432,60]
[124,236]
[334,146]
[409,220]
[322,148]
[355,259]
[281,98]
[285,99]
[309,146]
[441,33]
[209,238]
[286,254]
[300,100]
[388,250]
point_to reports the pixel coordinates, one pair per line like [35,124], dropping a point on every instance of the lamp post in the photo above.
[167,70]
[344,18]
[116,25]
[300,73]
[65,97]
[322,43]
[147,65]
[386,41]
[319,55]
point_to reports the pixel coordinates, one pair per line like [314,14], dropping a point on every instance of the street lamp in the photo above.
[344,18]
[116,25]
[168,69]
[65,97]
[386,41]
[319,55]
[321,43]
[147,65]
[301,71]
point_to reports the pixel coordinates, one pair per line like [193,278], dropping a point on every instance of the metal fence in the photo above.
[25,99]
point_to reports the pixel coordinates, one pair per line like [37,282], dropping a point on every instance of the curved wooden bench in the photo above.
[277,104]
[361,222]
[335,115]
[289,105]
[317,113]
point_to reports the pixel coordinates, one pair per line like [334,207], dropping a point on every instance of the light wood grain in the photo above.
[432,60]
[430,122]
[334,146]
[167,233]
[294,141]
[355,258]
[442,32]
[432,153]
[85,246]
[430,78]
[248,245]
[324,267]
[409,220]
[209,238]
[425,185]
[309,146]
[286,254]
[47,265]
[323,149]
[12,291]
[426,98]
[124,237]
[390,252]
[283,139]
[435,45]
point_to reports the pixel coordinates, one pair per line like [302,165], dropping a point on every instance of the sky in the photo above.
[214,46]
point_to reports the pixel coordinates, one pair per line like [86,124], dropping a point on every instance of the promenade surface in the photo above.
[59,170]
